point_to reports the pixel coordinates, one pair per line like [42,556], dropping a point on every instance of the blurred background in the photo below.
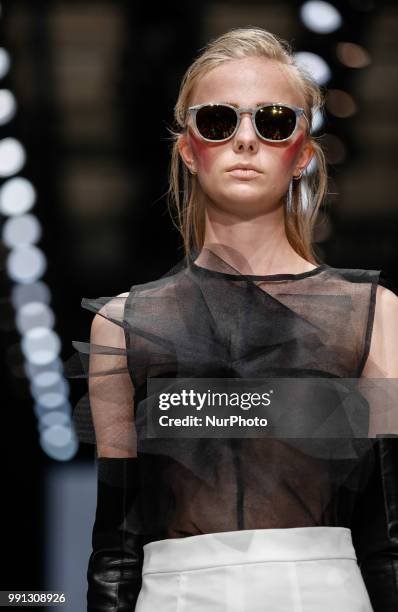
[87,90]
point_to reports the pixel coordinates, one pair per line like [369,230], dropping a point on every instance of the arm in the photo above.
[115,564]
[114,570]
[376,528]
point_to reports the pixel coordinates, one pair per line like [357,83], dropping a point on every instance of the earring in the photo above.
[289,196]
[192,170]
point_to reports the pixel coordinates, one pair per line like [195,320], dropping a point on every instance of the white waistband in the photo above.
[248,546]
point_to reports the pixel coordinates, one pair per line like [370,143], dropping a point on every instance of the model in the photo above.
[211,522]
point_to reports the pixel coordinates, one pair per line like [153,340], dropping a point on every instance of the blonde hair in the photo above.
[300,219]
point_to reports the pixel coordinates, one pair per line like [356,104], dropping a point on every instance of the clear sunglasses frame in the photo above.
[193,110]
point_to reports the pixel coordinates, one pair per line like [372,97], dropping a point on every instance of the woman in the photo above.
[241,523]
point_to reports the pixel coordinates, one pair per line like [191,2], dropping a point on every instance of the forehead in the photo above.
[248,82]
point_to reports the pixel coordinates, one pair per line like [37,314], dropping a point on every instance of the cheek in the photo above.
[290,153]
[202,152]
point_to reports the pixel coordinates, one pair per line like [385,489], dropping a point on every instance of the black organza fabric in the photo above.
[212,321]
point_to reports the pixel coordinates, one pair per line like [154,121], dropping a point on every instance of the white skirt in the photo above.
[303,569]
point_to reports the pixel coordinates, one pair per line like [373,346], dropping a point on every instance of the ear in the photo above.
[306,154]
[185,150]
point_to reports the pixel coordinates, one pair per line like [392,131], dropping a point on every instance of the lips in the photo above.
[241,173]
[243,167]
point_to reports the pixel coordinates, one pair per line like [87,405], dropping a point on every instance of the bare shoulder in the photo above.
[386,308]
[382,360]
[106,326]
[386,298]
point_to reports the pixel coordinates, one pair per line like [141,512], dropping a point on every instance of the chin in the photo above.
[244,207]
[246,197]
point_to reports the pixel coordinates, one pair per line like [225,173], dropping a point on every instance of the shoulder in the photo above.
[353,275]
[386,297]
[386,309]
[383,356]
[113,313]
[162,287]
[107,325]
[381,282]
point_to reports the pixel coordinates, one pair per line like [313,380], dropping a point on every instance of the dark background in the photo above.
[96,83]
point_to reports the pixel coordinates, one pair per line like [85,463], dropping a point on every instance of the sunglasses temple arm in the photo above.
[306,118]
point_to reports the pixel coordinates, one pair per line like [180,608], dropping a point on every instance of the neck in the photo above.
[256,245]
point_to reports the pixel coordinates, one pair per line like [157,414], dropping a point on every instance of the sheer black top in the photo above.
[211,321]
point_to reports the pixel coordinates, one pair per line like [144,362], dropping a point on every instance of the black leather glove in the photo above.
[375,530]
[115,565]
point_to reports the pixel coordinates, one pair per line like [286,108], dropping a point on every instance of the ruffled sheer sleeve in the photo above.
[104,415]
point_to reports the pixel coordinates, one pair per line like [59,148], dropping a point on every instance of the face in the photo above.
[246,83]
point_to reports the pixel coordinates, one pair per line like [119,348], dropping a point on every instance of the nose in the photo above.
[246,136]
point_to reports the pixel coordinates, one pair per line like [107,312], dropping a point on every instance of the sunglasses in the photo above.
[273,122]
